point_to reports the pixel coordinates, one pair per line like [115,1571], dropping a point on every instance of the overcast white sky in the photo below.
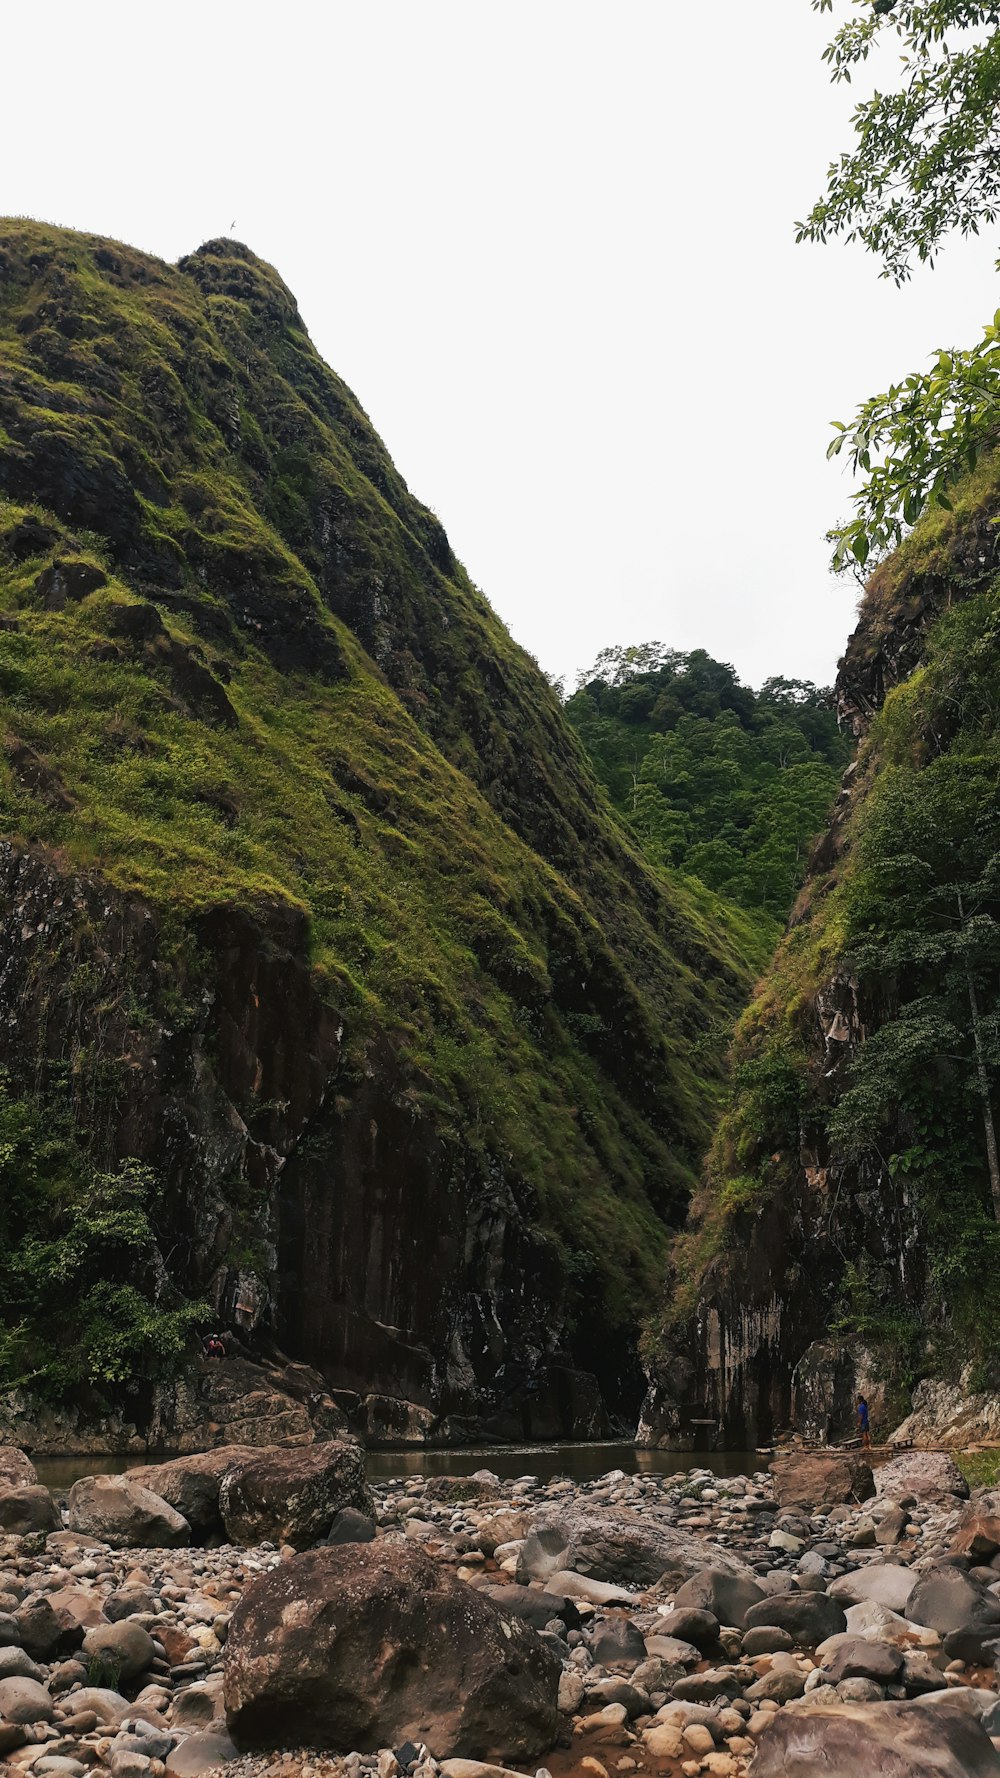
[549,243]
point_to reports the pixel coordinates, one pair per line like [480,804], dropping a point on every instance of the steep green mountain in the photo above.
[723,783]
[332,995]
[849,1230]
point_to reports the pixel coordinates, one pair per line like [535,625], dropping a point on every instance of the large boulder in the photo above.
[809,1617]
[361,1646]
[293,1496]
[884,1583]
[978,1536]
[27,1509]
[855,1657]
[120,1512]
[126,1647]
[16,1470]
[191,1484]
[927,1475]
[815,1480]
[631,1549]
[861,1740]
[945,1599]
[727,1596]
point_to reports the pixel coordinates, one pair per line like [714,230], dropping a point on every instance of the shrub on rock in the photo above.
[362,1646]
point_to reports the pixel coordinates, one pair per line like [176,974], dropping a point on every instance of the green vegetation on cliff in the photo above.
[726,784]
[240,667]
[871,1055]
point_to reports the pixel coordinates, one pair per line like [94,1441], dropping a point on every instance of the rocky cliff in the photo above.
[334,1003]
[845,1236]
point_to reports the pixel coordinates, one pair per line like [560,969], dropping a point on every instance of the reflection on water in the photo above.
[580,1462]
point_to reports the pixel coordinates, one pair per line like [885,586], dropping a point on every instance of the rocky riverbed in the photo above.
[266,1612]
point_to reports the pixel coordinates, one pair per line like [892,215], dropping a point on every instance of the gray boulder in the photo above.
[16,1470]
[628,1547]
[885,1583]
[25,1700]
[351,1526]
[124,1645]
[191,1484]
[929,1476]
[945,1599]
[857,1658]
[917,1740]
[687,1623]
[26,1510]
[125,1515]
[809,1618]
[293,1496]
[545,1551]
[727,1596]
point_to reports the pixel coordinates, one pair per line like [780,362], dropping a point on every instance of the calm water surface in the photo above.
[580,1462]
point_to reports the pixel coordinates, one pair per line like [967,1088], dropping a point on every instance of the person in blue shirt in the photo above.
[865,1429]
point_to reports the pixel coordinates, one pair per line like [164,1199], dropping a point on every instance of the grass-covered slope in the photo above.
[849,1193]
[240,668]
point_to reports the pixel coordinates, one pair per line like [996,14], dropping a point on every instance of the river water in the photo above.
[581,1463]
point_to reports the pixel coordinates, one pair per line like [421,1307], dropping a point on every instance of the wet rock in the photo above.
[292,1496]
[858,1741]
[125,1515]
[363,1646]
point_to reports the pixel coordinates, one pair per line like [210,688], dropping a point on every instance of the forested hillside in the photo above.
[721,782]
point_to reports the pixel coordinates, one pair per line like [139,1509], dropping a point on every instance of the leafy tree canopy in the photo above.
[925,163]
[724,783]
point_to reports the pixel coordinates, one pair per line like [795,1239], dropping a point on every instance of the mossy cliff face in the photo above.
[310,902]
[845,1234]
